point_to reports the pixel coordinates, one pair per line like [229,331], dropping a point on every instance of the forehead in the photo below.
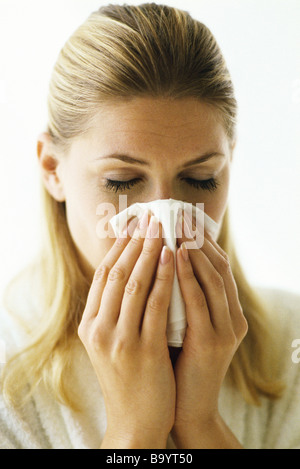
[170,125]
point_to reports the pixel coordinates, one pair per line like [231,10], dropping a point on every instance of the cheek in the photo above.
[82,207]
[91,245]
[81,215]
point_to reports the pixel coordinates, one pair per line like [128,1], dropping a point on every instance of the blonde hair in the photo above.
[122,52]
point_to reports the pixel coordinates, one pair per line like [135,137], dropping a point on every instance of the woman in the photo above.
[141,103]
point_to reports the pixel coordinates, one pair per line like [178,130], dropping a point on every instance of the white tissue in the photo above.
[166,210]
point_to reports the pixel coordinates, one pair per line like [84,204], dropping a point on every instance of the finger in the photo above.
[140,281]
[212,285]
[216,245]
[100,275]
[119,245]
[198,315]
[95,293]
[224,281]
[129,229]
[119,274]
[221,262]
[154,326]
[187,232]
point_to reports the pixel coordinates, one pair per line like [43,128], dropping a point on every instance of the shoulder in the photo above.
[275,424]
[282,307]
[281,300]
[284,414]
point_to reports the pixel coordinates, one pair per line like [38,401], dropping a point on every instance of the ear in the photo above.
[49,163]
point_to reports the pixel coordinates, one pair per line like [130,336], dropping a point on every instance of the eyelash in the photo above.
[207,185]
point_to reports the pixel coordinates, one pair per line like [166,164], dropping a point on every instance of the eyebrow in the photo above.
[131,160]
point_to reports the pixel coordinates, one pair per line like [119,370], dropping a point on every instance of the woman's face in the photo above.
[153,143]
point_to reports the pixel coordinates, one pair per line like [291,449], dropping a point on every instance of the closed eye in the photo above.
[207,185]
[121,185]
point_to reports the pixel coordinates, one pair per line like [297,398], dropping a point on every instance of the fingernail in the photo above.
[184,252]
[189,219]
[132,226]
[165,255]
[178,228]
[153,230]
[143,223]
[125,230]
[187,229]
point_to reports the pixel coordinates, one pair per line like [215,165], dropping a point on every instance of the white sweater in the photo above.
[45,424]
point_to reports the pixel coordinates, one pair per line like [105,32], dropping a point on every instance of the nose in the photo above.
[163,190]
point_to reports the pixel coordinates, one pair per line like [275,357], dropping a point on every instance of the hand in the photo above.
[215,328]
[123,329]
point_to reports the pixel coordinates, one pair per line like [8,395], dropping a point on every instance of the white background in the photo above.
[260,40]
